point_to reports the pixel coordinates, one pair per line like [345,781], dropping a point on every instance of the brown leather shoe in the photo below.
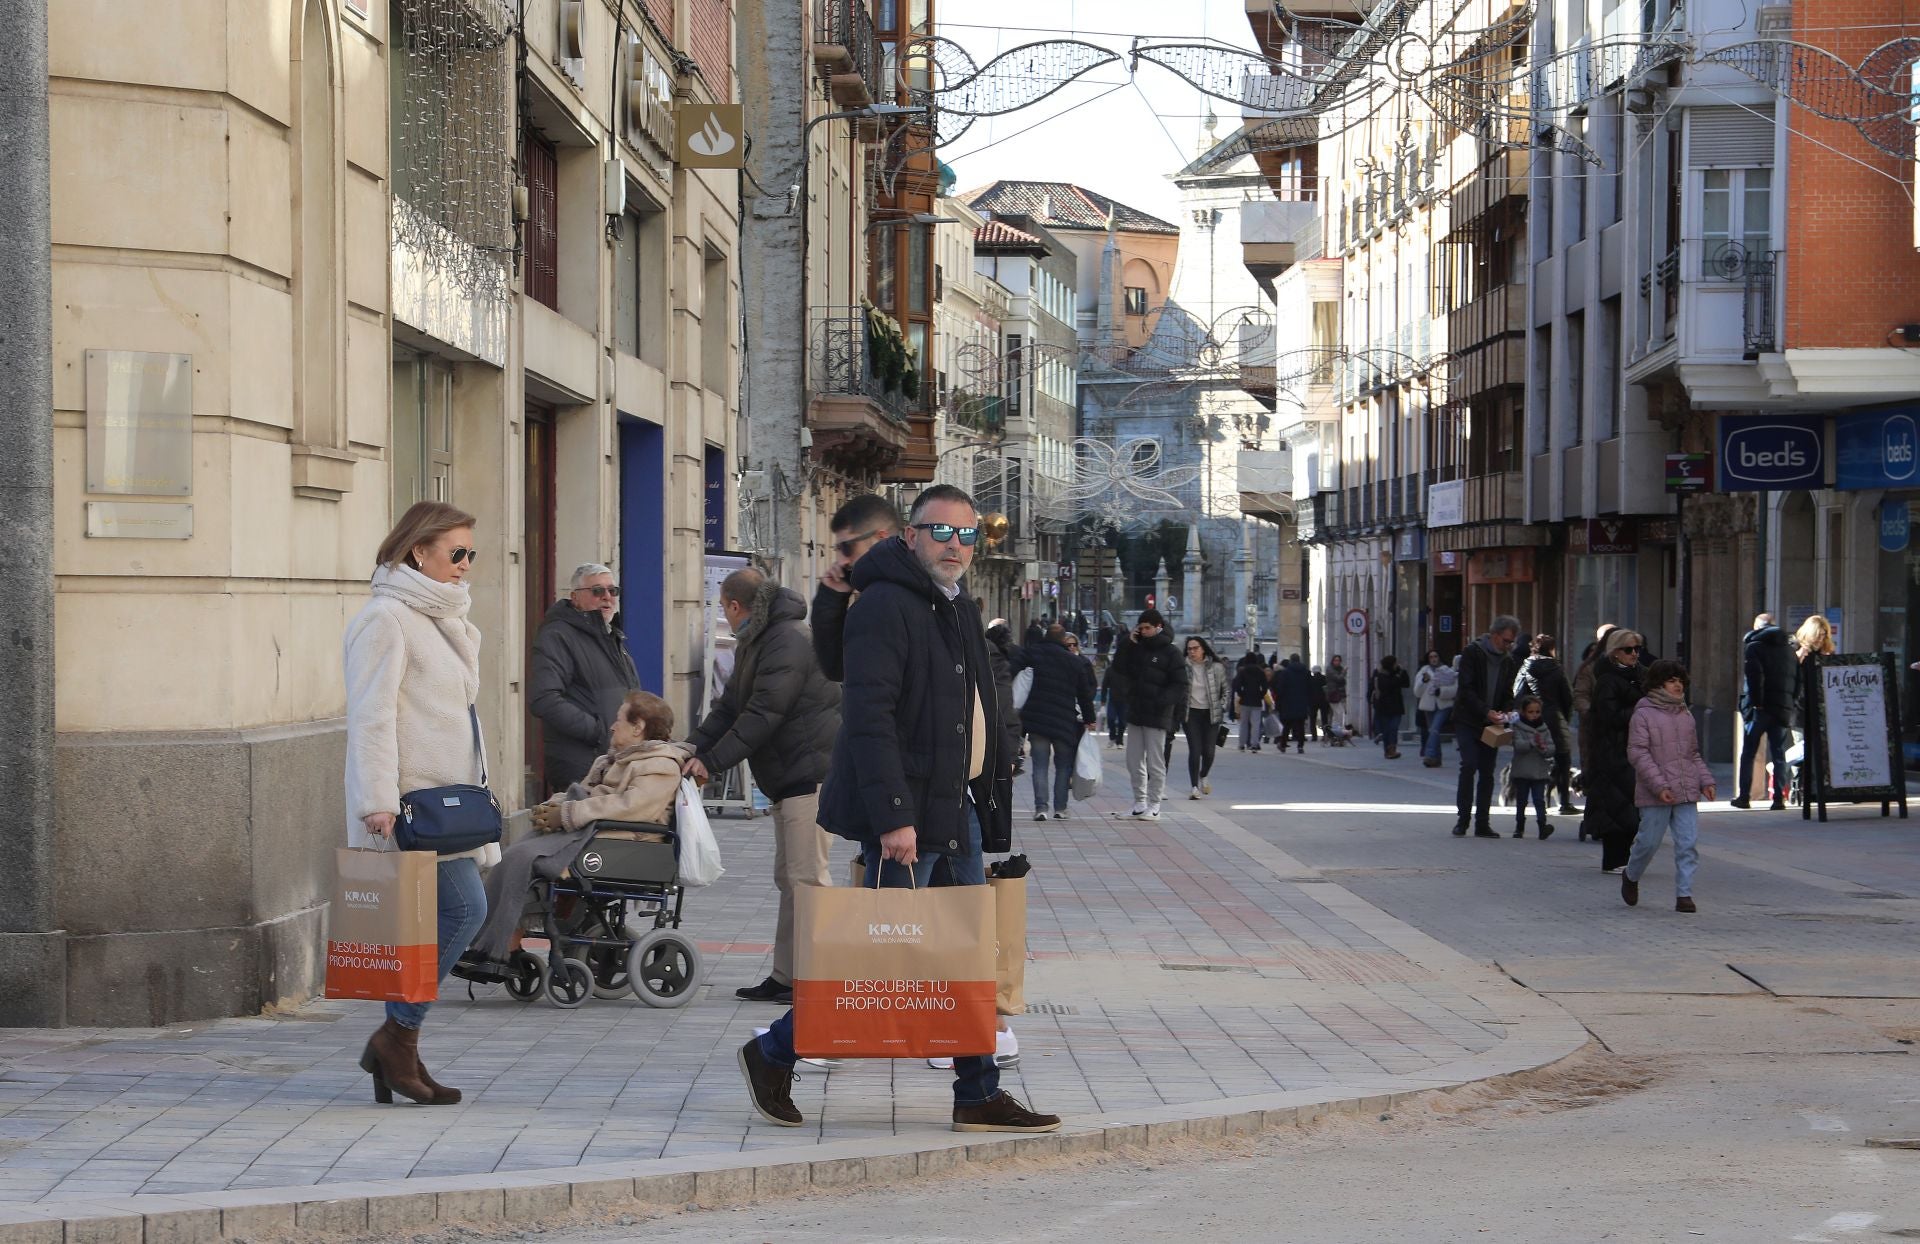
[1001,1113]
[769,1087]
[1684,903]
[442,1095]
[392,1057]
[1629,890]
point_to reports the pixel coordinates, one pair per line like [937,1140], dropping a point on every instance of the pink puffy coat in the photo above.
[1665,751]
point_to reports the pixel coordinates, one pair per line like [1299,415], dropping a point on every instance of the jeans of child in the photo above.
[463,909]
[1436,727]
[1063,754]
[975,1078]
[1523,790]
[1684,820]
[1200,740]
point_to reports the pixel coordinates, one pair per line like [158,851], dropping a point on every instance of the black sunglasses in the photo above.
[943,532]
[1633,648]
[459,555]
[845,547]
[604,590]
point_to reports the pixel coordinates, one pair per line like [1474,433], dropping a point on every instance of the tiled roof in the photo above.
[1000,233]
[1062,205]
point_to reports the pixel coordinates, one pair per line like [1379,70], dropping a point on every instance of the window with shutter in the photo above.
[543,223]
[1729,138]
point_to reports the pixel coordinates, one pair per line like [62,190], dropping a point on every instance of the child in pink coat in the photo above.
[1669,781]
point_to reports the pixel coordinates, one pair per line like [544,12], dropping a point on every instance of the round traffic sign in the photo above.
[1356,621]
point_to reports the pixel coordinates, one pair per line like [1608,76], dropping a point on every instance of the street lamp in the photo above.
[872,112]
[915,218]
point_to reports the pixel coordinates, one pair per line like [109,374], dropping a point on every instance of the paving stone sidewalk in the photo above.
[1172,962]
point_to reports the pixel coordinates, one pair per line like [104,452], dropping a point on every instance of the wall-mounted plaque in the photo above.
[139,520]
[139,423]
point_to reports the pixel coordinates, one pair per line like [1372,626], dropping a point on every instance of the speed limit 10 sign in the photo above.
[1356,621]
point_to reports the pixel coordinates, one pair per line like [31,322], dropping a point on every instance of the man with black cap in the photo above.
[1156,679]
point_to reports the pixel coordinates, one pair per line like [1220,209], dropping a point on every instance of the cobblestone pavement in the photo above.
[1174,962]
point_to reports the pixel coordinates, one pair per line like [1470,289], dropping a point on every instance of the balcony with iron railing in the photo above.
[859,395]
[977,412]
[1707,303]
[847,52]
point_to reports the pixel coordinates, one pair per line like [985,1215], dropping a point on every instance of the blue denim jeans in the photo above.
[1684,820]
[1763,725]
[1390,732]
[975,1078]
[1525,789]
[1062,754]
[463,909]
[1436,730]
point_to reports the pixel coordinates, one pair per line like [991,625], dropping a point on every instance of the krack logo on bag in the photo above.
[896,932]
[361,898]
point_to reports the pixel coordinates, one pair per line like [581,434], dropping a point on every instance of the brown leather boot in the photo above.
[392,1057]
[442,1095]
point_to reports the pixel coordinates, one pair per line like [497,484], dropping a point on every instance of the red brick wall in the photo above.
[1852,271]
[710,42]
[662,13]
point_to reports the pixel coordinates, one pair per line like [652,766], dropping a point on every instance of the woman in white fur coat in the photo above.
[413,672]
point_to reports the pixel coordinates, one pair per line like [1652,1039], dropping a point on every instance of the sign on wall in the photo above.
[1853,734]
[1609,537]
[1880,450]
[710,135]
[139,423]
[1896,525]
[1759,452]
[1447,503]
[1689,472]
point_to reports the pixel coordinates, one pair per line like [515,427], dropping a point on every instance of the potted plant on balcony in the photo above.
[890,358]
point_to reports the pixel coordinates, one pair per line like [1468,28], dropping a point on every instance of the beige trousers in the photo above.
[799,858]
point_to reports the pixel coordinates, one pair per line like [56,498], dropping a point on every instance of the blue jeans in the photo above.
[1390,732]
[1763,725]
[1523,790]
[1436,727]
[975,1078]
[1684,820]
[463,909]
[1063,754]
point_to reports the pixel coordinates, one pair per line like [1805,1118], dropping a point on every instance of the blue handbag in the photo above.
[448,820]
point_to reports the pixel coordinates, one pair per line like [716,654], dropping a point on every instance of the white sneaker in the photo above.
[940,1064]
[1153,812]
[1139,807]
[1206,788]
[1041,815]
[1059,814]
[1194,793]
[1006,1048]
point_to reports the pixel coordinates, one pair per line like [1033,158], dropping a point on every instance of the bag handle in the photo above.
[913,882]
[474,717]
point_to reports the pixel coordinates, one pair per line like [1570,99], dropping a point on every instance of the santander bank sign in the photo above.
[1771,452]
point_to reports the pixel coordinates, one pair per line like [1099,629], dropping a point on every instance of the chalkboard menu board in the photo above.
[1853,734]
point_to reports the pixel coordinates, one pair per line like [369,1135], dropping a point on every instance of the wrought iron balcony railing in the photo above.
[845,364]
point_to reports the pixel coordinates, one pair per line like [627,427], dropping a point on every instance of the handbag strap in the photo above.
[479,751]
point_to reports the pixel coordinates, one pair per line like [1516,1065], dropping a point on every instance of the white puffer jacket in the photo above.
[413,668]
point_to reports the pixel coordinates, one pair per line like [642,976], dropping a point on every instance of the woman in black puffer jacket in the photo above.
[1058,710]
[1610,814]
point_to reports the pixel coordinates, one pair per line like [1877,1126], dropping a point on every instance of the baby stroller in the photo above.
[612,923]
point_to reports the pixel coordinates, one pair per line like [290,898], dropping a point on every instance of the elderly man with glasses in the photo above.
[581,673]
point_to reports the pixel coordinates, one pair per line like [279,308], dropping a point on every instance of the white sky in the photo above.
[1115,145]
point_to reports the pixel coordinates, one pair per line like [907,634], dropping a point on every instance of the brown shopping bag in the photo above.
[890,973]
[1497,737]
[1010,930]
[383,938]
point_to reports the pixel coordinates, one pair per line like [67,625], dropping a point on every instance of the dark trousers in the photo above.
[1523,790]
[1117,721]
[1390,733]
[1763,725]
[1323,718]
[1562,779]
[1293,729]
[1473,798]
[1201,735]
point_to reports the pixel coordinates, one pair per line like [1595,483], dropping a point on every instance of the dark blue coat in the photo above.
[914,661]
[1292,692]
[1062,696]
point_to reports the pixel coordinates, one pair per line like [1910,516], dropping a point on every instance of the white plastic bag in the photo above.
[1086,767]
[699,850]
[1022,687]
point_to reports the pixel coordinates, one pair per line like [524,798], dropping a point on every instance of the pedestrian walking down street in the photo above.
[1059,709]
[1387,700]
[1209,696]
[1769,689]
[1114,688]
[1813,639]
[1293,702]
[1611,815]
[919,752]
[580,673]
[1541,677]
[1250,689]
[1669,781]
[1445,685]
[413,676]
[1423,696]
[1320,720]
[1485,689]
[778,715]
[1337,701]
[1533,750]
[1156,677]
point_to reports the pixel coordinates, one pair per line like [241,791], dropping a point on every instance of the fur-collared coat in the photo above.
[413,672]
